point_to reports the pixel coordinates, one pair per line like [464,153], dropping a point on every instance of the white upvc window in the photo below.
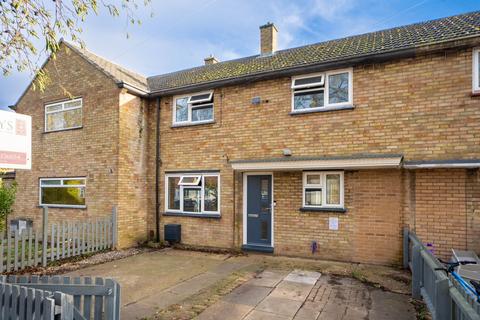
[322,91]
[323,189]
[63,115]
[476,70]
[192,194]
[62,192]
[193,109]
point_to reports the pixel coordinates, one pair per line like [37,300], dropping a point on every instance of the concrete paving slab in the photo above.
[388,305]
[268,278]
[306,314]
[261,315]
[279,306]
[248,295]
[308,277]
[221,309]
[292,290]
[195,284]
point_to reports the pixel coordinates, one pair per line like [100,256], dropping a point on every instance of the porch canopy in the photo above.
[291,163]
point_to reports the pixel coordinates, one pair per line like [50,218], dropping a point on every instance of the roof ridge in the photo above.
[85,53]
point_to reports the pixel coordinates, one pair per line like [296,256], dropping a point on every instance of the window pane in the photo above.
[316,81]
[66,196]
[313,197]
[190,180]
[313,179]
[54,107]
[201,97]
[202,113]
[74,182]
[191,199]
[64,119]
[307,100]
[173,193]
[51,182]
[73,104]
[211,194]
[338,88]
[181,110]
[333,188]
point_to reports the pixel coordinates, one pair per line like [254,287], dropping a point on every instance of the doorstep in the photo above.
[258,248]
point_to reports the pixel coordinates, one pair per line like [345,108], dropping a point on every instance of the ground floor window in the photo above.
[192,193]
[323,189]
[63,192]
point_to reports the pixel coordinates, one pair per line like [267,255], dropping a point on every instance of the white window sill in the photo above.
[323,109]
[194,215]
[60,130]
[62,206]
[189,124]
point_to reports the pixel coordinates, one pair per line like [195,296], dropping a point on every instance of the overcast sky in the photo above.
[182,32]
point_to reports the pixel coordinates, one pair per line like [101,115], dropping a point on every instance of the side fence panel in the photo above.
[444,297]
[56,241]
[75,298]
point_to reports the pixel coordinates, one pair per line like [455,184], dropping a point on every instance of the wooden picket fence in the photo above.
[56,241]
[64,298]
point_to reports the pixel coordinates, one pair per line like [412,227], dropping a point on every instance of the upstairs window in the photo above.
[192,194]
[323,189]
[322,91]
[193,109]
[476,71]
[63,115]
[63,192]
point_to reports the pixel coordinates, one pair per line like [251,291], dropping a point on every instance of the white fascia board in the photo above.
[360,163]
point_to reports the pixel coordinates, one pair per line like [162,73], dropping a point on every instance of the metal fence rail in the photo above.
[56,241]
[443,296]
[72,298]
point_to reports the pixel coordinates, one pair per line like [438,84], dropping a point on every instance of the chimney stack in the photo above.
[268,39]
[210,60]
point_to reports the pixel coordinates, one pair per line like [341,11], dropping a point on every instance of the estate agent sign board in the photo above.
[15,141]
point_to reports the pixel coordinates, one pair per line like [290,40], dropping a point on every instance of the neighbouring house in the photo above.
[327,150]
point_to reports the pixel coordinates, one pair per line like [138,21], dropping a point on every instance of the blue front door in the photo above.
[259,210]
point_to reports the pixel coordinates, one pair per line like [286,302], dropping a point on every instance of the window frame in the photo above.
[202,193]
[326,97]
[62,103]
[191,106]
[475,70]
[61,185]
[322,185]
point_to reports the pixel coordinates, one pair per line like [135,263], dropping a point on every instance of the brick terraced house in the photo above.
[326,150]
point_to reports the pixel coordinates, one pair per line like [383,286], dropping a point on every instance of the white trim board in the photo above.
[360,163]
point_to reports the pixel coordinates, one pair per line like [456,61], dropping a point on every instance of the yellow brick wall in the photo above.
[407,107]
[90,151]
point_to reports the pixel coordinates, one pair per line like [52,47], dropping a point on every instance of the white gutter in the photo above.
[443,165]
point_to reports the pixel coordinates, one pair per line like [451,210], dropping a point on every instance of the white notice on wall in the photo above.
[333,223]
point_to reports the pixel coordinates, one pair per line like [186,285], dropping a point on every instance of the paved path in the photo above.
[308,295]
[153,281]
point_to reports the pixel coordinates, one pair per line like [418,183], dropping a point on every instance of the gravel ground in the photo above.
[75,263]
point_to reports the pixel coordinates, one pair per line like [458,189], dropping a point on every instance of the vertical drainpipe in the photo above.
[157,174]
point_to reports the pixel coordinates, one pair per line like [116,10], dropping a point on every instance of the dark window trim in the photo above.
[193,215]
[337,210]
